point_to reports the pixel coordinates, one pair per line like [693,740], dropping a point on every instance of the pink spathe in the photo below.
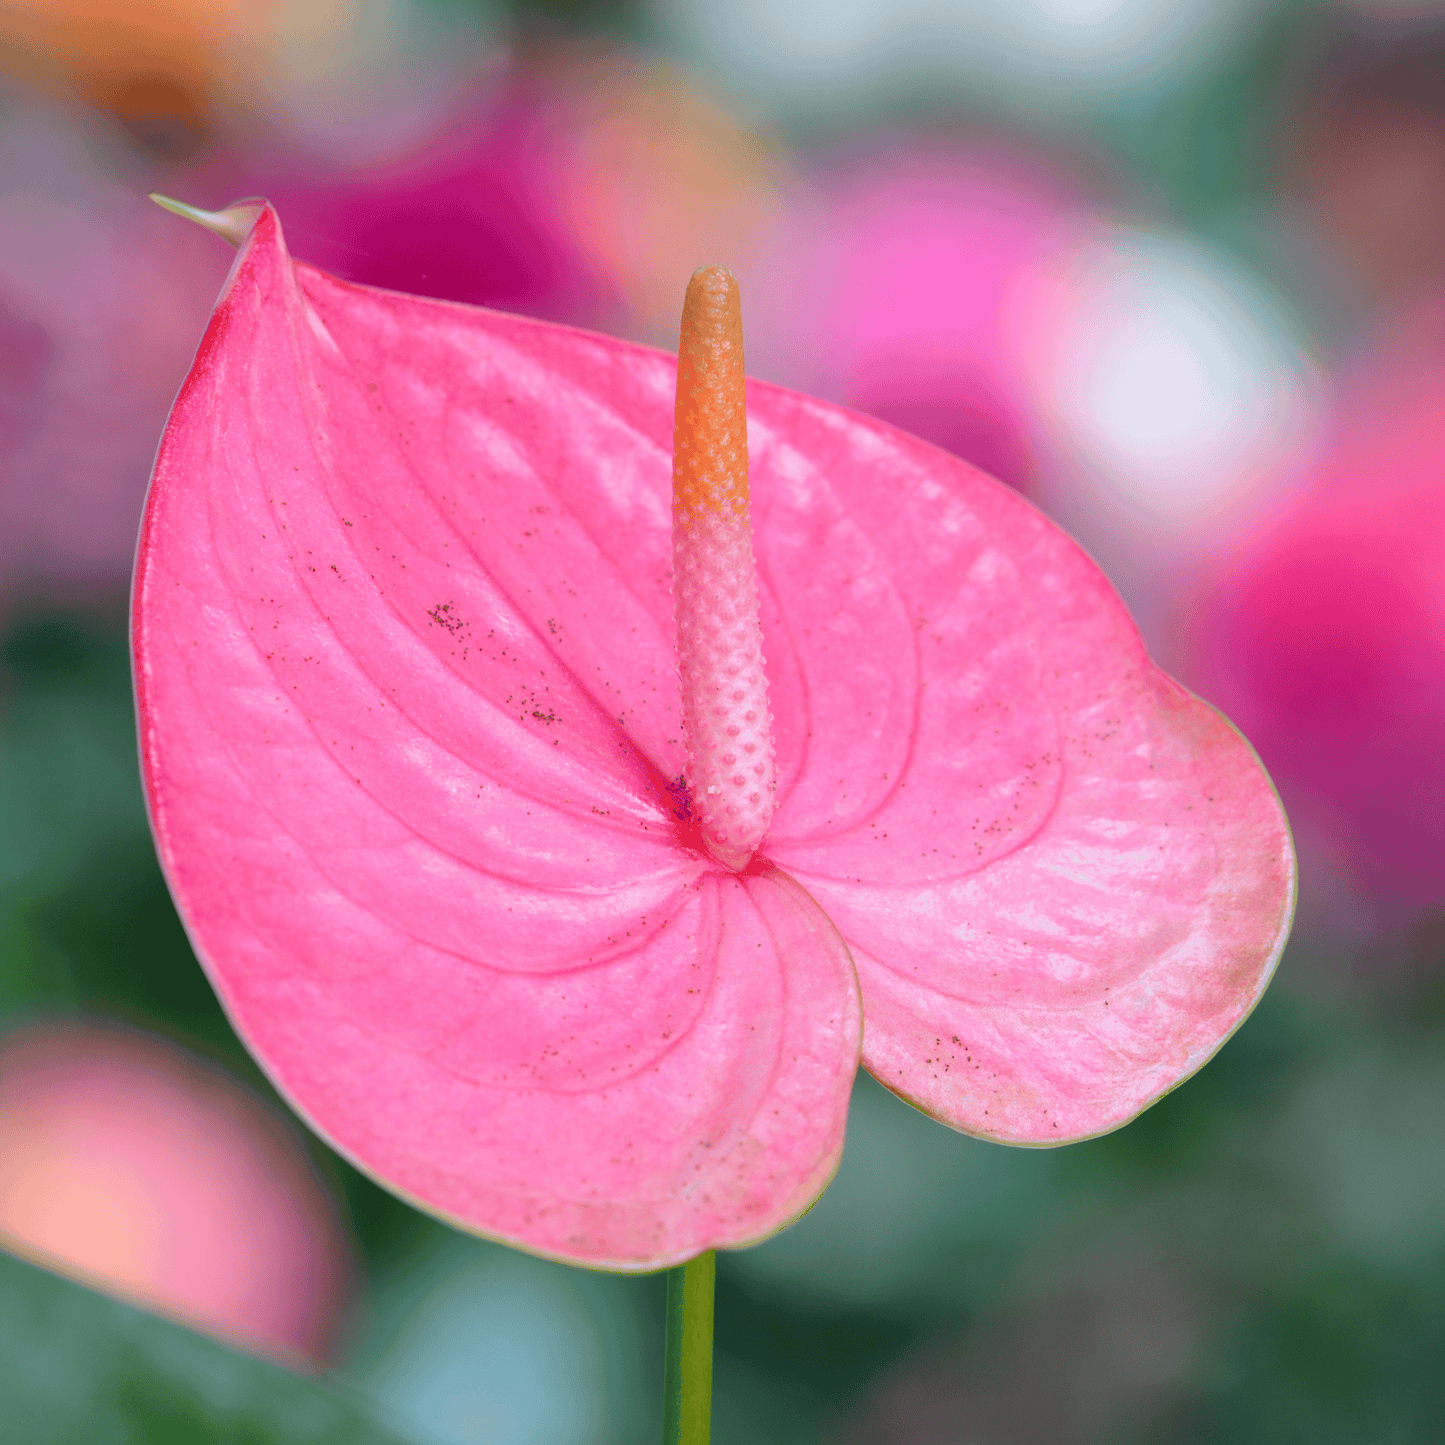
[412,739]
[135,1168]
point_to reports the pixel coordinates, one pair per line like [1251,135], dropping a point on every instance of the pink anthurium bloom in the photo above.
[413,742]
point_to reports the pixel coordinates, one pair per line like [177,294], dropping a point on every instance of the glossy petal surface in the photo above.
[410,725]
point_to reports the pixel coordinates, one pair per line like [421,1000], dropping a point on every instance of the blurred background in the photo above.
[1175,269]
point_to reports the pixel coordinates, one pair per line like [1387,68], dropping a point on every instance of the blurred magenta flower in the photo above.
[578,188]
[412,738]
[1325,637]
[133,1167]
[471,215]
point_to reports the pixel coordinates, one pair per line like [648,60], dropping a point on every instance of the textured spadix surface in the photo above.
[411,735]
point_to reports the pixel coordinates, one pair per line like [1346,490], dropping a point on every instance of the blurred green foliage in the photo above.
[77,1367]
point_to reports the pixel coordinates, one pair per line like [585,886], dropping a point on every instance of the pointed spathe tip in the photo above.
[232,224]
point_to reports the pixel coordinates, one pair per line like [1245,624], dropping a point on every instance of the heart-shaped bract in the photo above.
[412,740]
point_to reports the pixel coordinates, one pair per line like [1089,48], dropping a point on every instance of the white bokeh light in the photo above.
[1050,53]
[1162,374]
[1172,405]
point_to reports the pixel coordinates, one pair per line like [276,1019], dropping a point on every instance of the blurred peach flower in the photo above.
[142,61]
[131,1166]
[175,72]
[656,173]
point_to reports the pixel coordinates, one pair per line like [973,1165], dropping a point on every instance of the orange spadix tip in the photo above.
[710,437]
[731,764]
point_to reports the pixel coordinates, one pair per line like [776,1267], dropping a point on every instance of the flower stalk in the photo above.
[687,1375]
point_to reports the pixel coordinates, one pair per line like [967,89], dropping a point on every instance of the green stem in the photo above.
[687,1378]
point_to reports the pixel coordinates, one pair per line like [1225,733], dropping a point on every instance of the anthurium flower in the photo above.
[414,745]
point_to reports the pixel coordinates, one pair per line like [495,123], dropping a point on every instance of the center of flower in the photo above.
[731,771]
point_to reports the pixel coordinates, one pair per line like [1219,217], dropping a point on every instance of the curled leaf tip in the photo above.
[232,224]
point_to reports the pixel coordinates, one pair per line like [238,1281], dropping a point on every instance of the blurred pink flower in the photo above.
[890,289]
[1171,401]
[134,1168]
[100,301]
[1325,639]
